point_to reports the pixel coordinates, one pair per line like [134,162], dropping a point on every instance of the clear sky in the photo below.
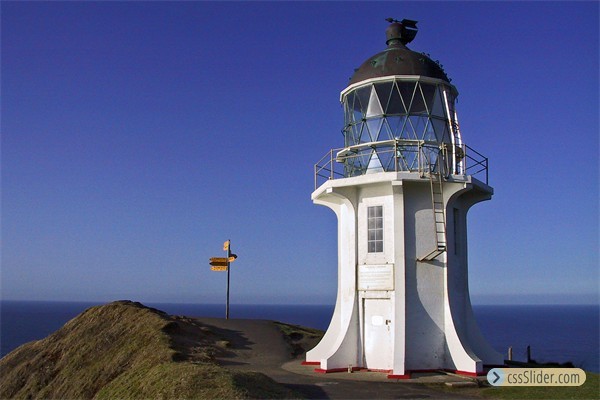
[138,136]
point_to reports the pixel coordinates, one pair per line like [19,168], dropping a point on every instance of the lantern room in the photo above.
[399,112]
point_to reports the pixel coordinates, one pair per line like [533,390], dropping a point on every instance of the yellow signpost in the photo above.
[218,261]
[222,264]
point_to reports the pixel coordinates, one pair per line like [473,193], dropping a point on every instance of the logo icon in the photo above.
[496,376]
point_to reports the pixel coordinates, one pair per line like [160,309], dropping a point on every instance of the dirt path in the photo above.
[258,345]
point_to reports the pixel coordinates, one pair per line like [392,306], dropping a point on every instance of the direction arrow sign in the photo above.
[219,263]
[219,268]
[218,259]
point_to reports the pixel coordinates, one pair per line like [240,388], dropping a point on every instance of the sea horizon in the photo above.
[556,332]
[273,303]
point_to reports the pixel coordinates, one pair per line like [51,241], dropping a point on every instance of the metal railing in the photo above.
[325,168]
[477,164]
[405,155]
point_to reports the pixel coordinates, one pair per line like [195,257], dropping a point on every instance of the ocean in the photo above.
[555,333]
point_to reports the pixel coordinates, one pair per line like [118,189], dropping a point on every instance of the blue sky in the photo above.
[138,136]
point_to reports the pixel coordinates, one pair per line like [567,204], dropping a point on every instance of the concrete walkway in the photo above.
[258,345]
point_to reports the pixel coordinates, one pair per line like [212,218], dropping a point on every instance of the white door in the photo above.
[378,349]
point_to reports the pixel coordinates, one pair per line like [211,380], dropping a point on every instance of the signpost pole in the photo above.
[223,264]
[228,274]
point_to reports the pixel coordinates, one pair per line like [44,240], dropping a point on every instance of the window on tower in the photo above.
[375,229]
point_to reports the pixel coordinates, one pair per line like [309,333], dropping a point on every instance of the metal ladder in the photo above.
[439,212]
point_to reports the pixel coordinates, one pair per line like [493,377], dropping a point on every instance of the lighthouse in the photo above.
[401,187]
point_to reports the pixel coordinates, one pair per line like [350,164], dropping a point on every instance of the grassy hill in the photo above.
[126,350]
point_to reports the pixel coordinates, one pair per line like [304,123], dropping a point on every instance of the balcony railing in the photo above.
[402,155]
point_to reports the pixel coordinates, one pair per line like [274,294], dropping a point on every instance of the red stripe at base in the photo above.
[407,375]
[392,376]
[466,373]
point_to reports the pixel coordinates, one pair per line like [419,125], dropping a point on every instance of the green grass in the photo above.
[300,339]
[191,381]
[124,350]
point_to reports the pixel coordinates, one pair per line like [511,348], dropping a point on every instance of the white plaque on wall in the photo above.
[376,277]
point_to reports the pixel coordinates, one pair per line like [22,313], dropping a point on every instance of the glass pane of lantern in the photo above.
[386,158]
[374,125]
[437,108]
[374,164]
[348,136]
[409,130]
[428,91]
[349,100]
[347,112]
[350,117]
[354,106]
[353,134]
[411,159]
[417,106]
[429,132]
[383,93]
[358,101]
[402,164]
[396,125]
[374,108]
[386,133]
[407,90]
[440,127]
[361,101]
[357,116]
[417,127]
[363,159]
[395,104]
[353,111]
[357,167]
[362,133]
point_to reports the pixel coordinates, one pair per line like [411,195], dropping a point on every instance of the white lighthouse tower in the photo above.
[401,188]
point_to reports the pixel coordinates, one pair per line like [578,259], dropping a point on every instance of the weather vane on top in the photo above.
[407,32]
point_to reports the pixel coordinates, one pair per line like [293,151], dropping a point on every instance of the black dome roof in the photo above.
[398,59]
